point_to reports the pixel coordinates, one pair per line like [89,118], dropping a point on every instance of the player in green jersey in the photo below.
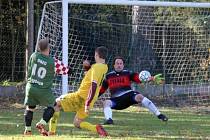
[41,71]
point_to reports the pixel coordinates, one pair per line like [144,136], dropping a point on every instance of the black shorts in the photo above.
[124,101]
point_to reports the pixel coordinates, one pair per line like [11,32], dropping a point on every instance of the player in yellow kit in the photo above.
[83,100]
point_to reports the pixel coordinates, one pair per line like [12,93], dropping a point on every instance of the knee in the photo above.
[28,113]
[49,109]
[139,98]
[107,103]
[77,123]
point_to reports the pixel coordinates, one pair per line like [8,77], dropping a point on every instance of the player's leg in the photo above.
[54,120]
[48,113]
[28,115]
[107,104]
[149,105]
[30,104]
[69,102]
[73,102]
[80,123]
[47,99]
[53,123]
[117,103]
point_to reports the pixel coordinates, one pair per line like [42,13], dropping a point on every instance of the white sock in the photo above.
[107,113]
[149,105]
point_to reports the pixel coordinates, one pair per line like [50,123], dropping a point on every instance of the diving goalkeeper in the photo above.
[122,96]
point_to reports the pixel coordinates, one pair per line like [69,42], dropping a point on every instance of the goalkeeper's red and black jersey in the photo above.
[119,82]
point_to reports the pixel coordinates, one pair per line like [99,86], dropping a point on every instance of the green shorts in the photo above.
[35,96]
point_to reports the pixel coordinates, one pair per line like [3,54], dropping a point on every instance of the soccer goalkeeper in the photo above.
[83,100]
[122,96]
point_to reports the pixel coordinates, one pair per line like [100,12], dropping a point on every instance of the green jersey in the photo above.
[41,71]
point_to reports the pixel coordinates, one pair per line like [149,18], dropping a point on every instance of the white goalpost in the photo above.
[162,37]
[65,44]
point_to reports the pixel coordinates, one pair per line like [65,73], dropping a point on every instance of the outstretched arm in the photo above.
[135,77]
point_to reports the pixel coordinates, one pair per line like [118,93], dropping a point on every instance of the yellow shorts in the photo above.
[72,102]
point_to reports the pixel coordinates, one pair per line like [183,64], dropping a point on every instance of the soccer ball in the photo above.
[144,76]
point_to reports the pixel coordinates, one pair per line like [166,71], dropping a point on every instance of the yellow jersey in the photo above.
[95,74]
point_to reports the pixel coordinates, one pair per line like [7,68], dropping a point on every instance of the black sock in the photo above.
[48,113]
[28,117]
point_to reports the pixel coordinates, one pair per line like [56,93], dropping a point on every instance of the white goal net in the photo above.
[171,38]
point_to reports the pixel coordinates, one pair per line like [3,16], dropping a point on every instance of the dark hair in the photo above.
[102,52]
[43,44]
[117,57]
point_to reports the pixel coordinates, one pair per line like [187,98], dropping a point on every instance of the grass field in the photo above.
[132,123]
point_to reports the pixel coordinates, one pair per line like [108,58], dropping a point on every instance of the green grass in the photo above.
[132,123]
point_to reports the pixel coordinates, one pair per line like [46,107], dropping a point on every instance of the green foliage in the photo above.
[192,18]
[193,21]
[101,16]
[6,83]
[9,83]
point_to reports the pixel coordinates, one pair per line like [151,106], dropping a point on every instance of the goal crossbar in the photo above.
[141,3]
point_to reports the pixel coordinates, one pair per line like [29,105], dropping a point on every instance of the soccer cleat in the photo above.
[27,133]
[41,129]
[163,117]
[51,133]
[109,121]
[101,130]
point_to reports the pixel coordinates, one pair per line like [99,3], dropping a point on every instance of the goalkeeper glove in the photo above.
[158,79]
